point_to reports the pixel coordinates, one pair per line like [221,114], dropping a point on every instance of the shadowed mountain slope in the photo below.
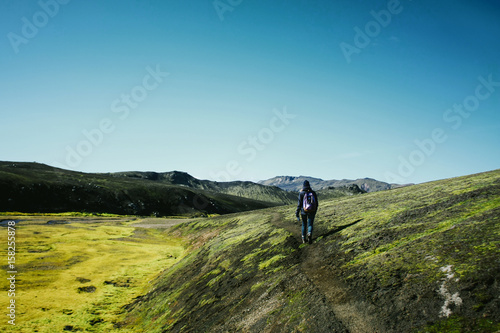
[33,187]
[424,258]
[243,189]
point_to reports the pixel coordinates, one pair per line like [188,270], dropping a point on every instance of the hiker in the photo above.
[307,207]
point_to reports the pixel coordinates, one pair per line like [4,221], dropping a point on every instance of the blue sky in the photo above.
[401,91]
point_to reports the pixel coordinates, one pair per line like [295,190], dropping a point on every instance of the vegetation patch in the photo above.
[457,324]
[81,274]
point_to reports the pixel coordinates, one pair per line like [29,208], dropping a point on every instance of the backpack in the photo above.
[309,203]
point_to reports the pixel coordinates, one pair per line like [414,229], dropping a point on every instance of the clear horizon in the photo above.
[398,91]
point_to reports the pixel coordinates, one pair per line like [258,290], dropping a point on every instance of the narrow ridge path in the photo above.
[352,312]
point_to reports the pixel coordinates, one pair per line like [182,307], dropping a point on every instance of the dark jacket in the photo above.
[300,209]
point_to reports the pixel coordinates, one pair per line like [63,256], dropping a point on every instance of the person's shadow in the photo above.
[339,229]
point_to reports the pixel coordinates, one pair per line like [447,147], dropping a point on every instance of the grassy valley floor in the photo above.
[76,273]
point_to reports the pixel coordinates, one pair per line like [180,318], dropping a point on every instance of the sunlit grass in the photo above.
[59,264]
[81,214]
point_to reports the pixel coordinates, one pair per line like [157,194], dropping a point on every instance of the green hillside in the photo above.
[424,258]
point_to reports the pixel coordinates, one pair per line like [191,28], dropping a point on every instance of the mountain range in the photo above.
[39,188]
[244,189]
[289,183]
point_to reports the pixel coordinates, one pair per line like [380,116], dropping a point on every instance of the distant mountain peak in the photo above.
[291,183]
[179,177]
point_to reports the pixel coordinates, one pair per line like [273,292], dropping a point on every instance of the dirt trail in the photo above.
[159,223]
[352,312]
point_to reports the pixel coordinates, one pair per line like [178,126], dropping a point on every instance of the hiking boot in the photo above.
[303,240]
[309,238]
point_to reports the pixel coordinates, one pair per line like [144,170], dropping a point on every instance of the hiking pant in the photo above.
[307,224]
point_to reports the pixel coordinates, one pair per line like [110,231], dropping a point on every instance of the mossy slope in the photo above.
[423,258]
